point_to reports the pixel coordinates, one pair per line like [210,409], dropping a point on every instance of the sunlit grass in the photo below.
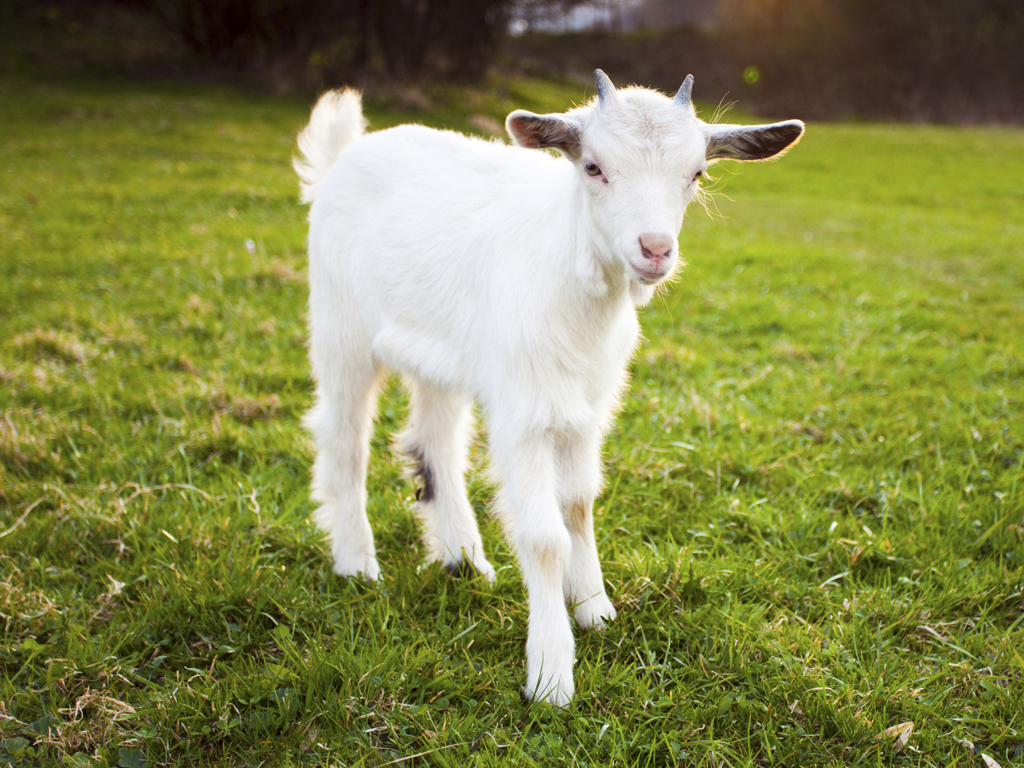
[814,511]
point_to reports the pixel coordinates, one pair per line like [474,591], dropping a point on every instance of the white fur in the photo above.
[489,272]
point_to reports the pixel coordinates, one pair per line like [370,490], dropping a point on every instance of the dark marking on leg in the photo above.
[462,569]
[423,476]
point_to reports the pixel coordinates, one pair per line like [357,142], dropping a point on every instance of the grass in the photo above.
[814,513]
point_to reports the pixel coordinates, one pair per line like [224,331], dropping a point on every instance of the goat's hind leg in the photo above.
[436,441]
[341,422]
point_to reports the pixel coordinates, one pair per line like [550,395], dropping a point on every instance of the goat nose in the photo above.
[656,247]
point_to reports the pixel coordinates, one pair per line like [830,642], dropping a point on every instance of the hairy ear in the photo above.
[751,142]
[544,132]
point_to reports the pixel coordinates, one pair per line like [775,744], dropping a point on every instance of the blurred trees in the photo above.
[457,37]
[449,38]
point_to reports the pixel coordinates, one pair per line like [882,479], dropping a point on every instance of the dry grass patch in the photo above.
[248,409]
[46,343]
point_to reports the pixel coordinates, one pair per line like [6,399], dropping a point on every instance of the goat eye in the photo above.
[698,174]
[592,169]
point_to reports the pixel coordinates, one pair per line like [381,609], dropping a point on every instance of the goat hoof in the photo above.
[555,696]
[595,613]
[368,569]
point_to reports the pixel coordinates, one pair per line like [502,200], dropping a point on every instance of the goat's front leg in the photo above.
[579,465]
[542,543]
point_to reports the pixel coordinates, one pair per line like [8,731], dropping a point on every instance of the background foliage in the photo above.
[454,39]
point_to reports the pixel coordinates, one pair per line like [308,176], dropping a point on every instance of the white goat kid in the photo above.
[488,272]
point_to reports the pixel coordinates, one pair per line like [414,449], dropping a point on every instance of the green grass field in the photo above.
[813,522]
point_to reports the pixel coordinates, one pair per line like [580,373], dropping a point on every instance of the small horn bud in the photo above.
[605,89]
[684,96]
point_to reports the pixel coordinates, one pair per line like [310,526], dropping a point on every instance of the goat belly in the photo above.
[425,356]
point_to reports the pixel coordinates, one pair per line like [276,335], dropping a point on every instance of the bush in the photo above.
[402,38]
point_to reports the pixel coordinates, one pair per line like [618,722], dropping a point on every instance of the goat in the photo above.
[488,272]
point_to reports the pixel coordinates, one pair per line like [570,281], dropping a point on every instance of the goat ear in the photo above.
[544,132]
[751,142]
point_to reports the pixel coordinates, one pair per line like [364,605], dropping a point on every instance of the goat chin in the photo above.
[493,273]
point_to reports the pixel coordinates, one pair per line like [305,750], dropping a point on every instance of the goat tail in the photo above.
[336,122]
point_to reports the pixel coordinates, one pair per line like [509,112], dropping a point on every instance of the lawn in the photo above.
[813,521]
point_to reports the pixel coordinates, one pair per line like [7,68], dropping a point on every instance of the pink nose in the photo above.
[656,247]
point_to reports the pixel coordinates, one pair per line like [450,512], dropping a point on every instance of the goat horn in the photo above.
[605,89]
[684,96]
